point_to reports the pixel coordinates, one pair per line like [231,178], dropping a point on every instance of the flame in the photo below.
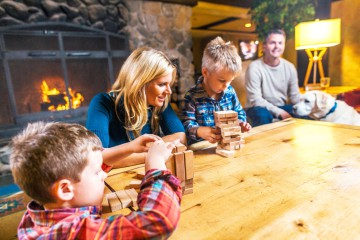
[76,98]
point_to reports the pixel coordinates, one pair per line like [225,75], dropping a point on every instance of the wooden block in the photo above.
[189,164]
[188,191]
[226,125]
[189,186]
[133,196]
[234,121]
[180,166]
[182,184]
[114,202]
[234,143]
[189,183]
[140,174]
[135,184]
[124,198]
[231,114]
[225,153]
[230,139]
[219,114]
[229,134]
[170,164]
[180,147]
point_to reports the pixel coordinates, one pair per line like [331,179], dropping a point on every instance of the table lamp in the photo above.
[315,37]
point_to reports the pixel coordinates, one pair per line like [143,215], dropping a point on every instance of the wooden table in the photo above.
[294,179]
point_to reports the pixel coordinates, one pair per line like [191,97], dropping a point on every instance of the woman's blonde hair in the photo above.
[219,54]
[140,68]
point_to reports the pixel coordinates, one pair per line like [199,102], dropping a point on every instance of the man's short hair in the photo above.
[44,153]
[274,31]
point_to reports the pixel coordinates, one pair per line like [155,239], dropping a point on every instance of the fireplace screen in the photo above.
[51,71]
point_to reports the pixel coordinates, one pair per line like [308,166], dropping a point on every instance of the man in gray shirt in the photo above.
[271,83]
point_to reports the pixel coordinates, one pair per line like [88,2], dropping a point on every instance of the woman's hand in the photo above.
[210,134]
[141,143]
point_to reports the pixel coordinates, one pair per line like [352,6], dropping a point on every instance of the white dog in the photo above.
[322,106]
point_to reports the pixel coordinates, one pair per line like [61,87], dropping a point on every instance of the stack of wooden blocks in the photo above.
[122,199]
[228,123]
[180,163]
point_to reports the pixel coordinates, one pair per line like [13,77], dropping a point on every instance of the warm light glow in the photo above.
[318,33]
[247,25]
[47,94]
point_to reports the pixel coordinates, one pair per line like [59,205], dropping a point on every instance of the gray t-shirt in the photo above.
[271,87]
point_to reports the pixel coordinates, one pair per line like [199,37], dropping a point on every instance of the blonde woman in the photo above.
[136,109]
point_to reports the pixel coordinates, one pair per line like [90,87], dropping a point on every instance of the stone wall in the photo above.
[164,26]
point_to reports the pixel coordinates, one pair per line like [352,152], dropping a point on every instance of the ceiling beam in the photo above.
[235,3]
[213,24]
[181,2]
[220,10]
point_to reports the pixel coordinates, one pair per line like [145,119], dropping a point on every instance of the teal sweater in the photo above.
[102,120]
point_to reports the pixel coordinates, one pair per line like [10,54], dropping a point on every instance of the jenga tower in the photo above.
[228,123]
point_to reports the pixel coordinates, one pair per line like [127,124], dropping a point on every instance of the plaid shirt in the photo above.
[198,109]
[157,217]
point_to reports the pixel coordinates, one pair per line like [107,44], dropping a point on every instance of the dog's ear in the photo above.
[323,103]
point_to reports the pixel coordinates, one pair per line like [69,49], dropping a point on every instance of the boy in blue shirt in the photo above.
[213,92]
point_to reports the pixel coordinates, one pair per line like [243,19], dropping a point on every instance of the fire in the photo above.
[57,101]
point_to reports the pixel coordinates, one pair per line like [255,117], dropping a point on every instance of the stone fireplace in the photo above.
[76,47]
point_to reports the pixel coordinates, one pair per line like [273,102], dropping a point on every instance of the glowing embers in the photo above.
[54,100]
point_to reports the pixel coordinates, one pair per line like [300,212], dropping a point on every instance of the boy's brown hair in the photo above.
[44,153]
[219,54]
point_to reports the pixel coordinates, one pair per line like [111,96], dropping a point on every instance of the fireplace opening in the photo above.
[51,71]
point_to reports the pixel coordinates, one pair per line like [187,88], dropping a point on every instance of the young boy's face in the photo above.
[216,81]
[90,190]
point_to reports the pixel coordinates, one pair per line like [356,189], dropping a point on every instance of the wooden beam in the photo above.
[181,2]
[242,3]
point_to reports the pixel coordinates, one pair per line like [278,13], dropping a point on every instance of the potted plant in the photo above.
[280,14]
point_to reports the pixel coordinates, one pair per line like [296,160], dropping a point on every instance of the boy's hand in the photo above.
[158,154]
[140,144]
[284,115]
[213,135]
[245,126]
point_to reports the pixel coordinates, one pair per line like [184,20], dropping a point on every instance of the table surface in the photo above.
[294,179]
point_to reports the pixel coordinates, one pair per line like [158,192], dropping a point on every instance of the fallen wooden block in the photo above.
[122,199]
[225,153]
[114,202]
[140,175]
[133,196]
[135,184]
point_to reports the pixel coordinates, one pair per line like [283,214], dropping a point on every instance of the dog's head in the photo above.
[315,104]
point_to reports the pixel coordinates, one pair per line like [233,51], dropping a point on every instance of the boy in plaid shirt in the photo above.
[60,166]
[213,92]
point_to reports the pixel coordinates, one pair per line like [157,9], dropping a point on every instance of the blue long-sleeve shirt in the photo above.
[198,109]
[103,121]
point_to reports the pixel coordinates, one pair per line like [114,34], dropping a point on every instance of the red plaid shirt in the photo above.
[157,217]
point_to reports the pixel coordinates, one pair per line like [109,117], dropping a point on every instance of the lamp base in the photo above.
[309,87]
